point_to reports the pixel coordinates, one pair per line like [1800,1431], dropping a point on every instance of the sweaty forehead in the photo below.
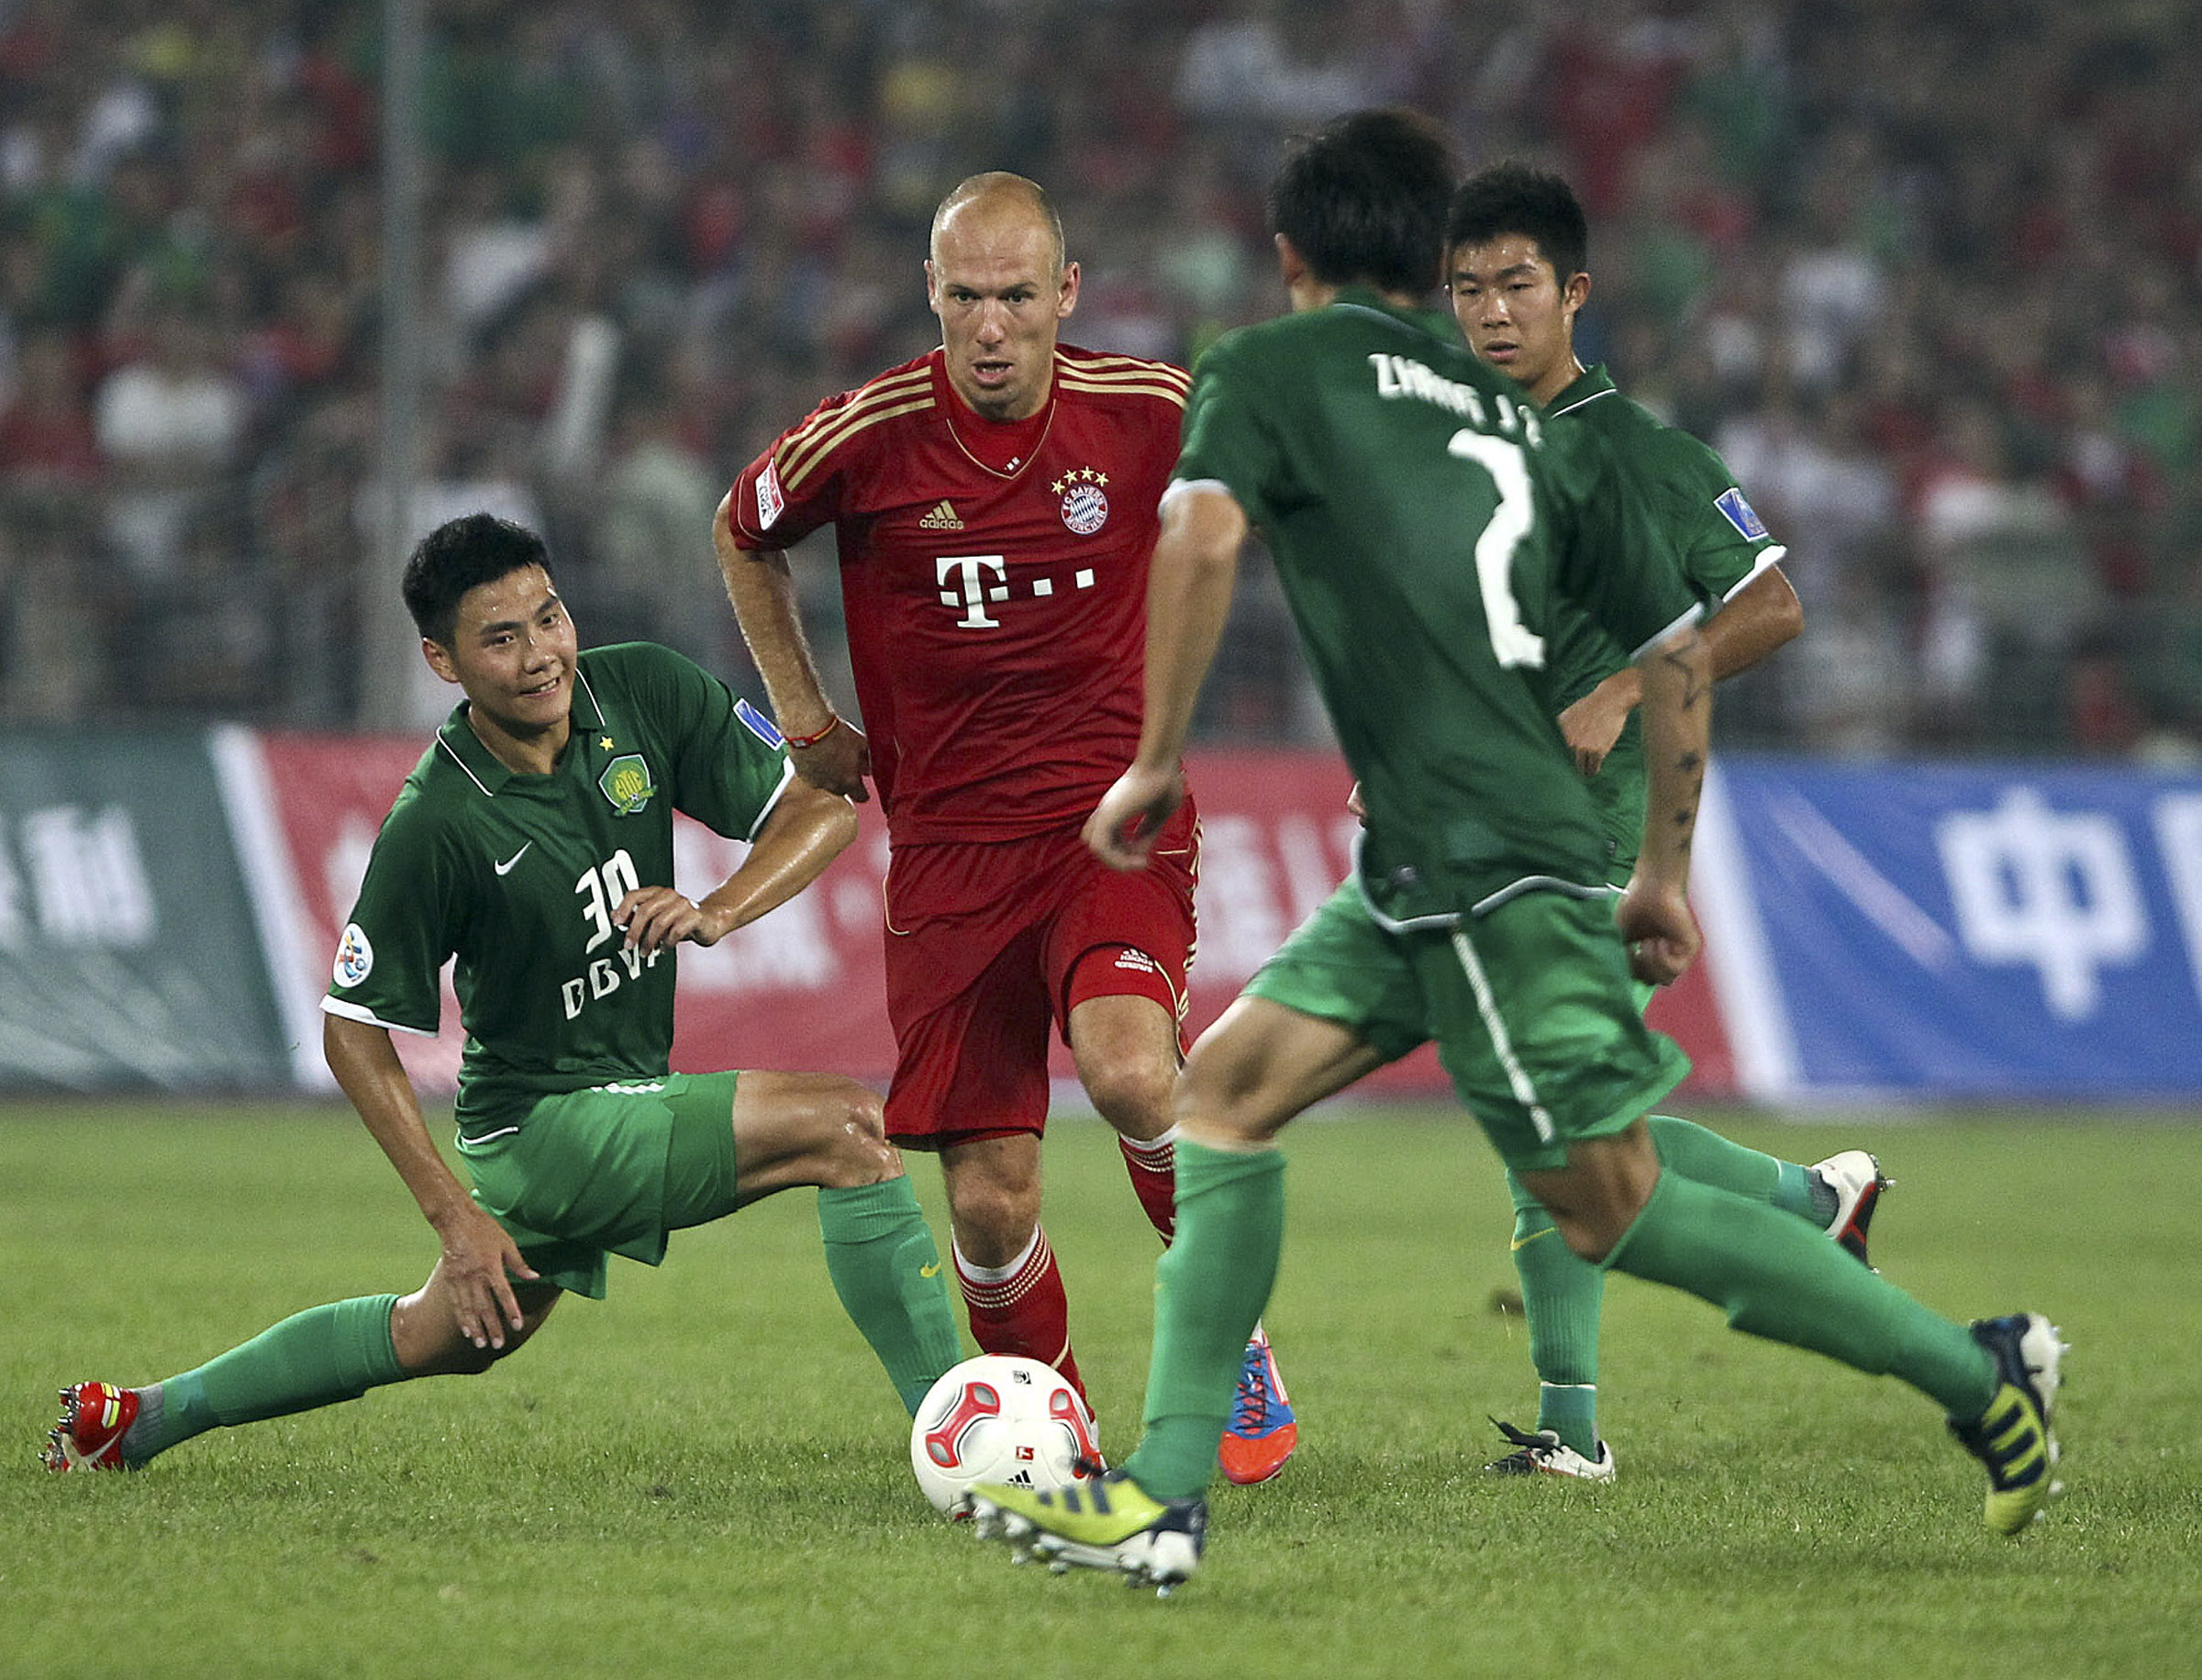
[514,598]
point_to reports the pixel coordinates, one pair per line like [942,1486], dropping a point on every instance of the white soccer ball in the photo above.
[999,1419]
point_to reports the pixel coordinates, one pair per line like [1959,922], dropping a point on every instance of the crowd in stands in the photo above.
[1928,272]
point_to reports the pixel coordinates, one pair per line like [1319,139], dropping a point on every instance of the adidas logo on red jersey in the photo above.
[941,519]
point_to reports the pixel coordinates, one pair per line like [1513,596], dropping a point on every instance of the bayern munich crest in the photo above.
[1085,506]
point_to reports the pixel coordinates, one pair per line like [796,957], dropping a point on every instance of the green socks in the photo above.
[1563,1294]
[1210,1287]
[313,1358]
[1777,1277]
[881,1257]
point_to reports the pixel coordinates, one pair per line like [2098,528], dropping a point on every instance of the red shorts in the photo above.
[990,944]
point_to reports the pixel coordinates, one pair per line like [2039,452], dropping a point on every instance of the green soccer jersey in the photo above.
[1425,524]
[1719,540]
[517,876]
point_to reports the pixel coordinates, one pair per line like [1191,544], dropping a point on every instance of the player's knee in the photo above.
[850,1137]
[1131,1093]
[1207,1098]
[993,1215]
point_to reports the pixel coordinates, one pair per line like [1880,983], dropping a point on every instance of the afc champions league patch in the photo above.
[1085,506]
[758,723]
[626,782]
[355,956]
[1740,513]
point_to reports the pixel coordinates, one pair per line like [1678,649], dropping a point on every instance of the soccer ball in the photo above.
[999,1419]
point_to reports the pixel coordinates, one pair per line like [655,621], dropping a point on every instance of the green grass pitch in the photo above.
[706,1475]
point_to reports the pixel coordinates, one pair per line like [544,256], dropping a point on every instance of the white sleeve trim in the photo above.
[1771,556]
[360,1012]
[1182,486]
[1685,622]
[788,774]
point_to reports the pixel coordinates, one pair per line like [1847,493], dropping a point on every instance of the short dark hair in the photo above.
[1513,197]
[1363,199]
[458,555]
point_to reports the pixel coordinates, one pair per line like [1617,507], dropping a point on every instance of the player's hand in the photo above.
[658,918]
[838,763]
[1660,933]
[1594,723]
[1123,827]
[480,1261]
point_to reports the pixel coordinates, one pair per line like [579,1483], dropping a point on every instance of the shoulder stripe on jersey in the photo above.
[1126,367]
[823,433]
[1099,361]
[1124,387]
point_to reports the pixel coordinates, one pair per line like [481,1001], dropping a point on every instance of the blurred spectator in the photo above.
[168,422]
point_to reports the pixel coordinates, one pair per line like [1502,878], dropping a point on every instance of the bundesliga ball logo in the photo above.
[1085,506]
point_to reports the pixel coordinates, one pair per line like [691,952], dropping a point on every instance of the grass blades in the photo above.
[707,1473]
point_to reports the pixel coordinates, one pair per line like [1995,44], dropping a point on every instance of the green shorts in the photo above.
[1531,1006]
[614,1170]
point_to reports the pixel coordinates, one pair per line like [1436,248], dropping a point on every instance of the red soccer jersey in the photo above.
[997,612]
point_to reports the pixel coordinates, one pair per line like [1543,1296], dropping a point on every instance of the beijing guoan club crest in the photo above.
[1084,506]
[626,782]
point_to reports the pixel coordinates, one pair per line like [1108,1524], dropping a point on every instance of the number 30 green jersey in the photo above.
[517,876]
[1426,525]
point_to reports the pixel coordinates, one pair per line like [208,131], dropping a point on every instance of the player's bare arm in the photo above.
[1654,918]
[480,1259]
[1189,586]
[829,751]
[1760,617]
[806,831]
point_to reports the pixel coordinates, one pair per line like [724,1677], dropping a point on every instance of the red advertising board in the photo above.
[803,988]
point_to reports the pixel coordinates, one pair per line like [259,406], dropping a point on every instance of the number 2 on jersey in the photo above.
[1512,641]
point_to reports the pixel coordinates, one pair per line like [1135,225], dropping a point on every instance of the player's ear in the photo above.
[1576,292]
[932,287]
[1066,291]
[440,660]
[1290,263]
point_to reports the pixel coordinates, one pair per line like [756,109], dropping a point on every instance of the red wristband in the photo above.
[833,723]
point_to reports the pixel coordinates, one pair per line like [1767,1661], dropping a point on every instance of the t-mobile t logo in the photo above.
[979,580]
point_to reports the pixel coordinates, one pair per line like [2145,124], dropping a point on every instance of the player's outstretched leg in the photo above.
[1998,1382]
[314,1358]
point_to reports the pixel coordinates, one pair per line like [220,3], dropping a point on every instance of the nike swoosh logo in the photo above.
[931,1270]
[1519,1243]
[506,867]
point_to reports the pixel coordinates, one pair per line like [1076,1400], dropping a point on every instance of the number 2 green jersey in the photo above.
[517,876]
[1717,540]
[1426,525]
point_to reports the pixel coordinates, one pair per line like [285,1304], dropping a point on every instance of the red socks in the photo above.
[1020,1307]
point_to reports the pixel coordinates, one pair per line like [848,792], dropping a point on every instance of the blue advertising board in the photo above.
[1971,930]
